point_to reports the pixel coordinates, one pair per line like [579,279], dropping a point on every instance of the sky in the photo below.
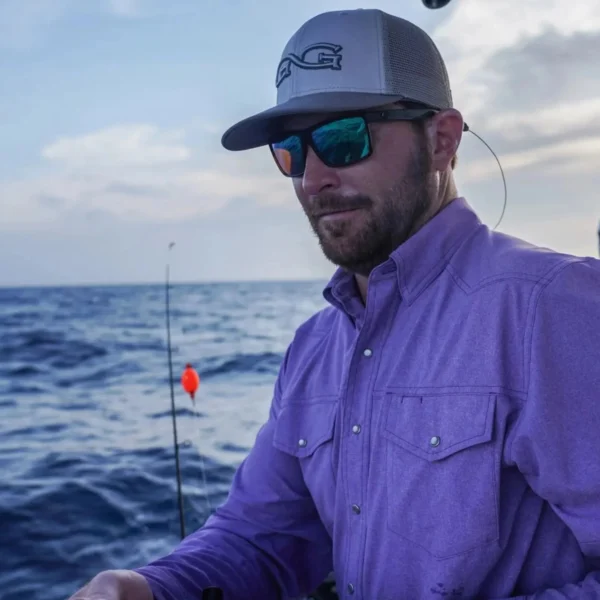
[112,111]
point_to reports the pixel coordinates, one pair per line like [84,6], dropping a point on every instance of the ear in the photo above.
[444,131]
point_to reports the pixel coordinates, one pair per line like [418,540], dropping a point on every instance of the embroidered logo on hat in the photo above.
[316,56]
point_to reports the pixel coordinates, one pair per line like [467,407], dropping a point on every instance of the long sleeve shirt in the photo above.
[439,441]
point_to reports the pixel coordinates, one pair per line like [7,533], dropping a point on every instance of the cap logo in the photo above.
[316,56]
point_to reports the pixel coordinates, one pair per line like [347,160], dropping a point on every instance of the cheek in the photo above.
[393,155]
[371,180]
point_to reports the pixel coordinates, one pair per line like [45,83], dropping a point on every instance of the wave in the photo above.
[263,363]
[50,347]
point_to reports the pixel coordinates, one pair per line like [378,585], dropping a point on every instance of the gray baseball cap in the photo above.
[348,60]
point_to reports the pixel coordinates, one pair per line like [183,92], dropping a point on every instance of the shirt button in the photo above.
[350,588]
[356,429]
[301,443]
[356,508]
[367,352]
[434,441]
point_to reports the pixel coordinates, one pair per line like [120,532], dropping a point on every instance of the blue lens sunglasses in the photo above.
[338,142]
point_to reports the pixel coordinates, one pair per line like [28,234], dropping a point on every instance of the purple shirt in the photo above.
[441,443]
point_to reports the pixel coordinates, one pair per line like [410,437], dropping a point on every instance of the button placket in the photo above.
[359,383]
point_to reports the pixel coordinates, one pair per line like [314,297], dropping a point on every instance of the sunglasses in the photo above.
[339,142]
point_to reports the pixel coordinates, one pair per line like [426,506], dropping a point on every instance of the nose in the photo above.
[318,176]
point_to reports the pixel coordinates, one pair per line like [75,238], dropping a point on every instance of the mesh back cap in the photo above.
[348,60]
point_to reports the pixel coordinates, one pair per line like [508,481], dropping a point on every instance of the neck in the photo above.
[361,284]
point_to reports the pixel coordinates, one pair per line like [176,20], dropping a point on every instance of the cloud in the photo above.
[122,146]
[137,172]
[529,86]
[478,30]
[244,241]
[546,69]
[562,235]
[574,156]
[552,123]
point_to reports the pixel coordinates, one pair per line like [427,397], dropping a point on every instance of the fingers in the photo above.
[104,586]
[115,585]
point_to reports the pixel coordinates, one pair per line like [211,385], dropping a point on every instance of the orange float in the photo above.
[190,380]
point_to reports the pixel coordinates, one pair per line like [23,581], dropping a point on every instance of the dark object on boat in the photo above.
[435,3]
[326,591]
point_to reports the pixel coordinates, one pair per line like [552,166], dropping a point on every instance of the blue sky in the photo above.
[111,114]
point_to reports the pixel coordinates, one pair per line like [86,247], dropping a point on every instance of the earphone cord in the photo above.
[501,172]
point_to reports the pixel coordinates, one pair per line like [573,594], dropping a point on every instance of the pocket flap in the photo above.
[436,426]
[303,427]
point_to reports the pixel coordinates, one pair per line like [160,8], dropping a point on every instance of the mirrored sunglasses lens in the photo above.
[343,142]
[289,155]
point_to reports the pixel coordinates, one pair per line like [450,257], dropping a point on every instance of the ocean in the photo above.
[86,439]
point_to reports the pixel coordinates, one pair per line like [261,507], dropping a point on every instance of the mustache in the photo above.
[327,204]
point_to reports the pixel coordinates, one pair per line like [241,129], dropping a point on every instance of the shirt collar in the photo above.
[418,261]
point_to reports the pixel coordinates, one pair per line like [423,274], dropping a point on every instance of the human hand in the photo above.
[115,585]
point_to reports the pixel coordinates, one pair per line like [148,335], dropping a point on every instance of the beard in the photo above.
[384,224]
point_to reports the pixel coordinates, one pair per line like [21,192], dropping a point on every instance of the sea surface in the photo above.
[87,465]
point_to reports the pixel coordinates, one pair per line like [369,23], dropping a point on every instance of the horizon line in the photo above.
[13,286]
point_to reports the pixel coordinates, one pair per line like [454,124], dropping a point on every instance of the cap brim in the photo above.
[257,130]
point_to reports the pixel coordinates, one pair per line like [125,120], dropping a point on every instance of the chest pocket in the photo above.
[443,470]
[305,429]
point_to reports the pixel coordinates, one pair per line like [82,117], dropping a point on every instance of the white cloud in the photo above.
[562,235]
[524,76]
[516,125]
[121,146]
[574,156]
[137,172]
[478,29]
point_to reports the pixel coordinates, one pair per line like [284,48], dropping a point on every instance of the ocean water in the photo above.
[86,441]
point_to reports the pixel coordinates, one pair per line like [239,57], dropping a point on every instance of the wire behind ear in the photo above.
[467,128]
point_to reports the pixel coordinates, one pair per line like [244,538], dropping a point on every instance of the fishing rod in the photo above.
[175,442]
[190,382]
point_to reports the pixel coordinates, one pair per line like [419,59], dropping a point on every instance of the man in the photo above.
[434,432]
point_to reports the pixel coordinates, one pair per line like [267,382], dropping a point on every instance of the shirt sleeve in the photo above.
[556,443]
[265,541]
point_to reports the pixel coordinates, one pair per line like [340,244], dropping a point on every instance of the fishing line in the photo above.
[467,128]
[198,416]
[202,468]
